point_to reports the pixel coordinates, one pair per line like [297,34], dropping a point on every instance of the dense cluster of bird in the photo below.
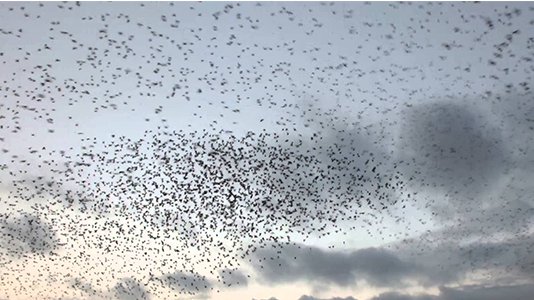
[215,188]
[222,142]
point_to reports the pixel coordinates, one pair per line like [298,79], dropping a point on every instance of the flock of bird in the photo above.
[226,196]
[228,145]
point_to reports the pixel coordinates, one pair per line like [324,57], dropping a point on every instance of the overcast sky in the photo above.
[269,150]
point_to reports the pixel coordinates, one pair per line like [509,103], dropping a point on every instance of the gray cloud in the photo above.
[473,292]
[515,292]
[187,283]
[465,150]
[27,233]
[130,289]
[439,263]
[234,278]
[515,111]
[442,260]
[399,296]
[291,263]
[451,147]
[474,157]
[306,297]
[84,286]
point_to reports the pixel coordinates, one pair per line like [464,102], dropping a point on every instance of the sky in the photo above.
[266,150]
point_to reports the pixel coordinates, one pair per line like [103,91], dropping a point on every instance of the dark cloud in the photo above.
[440,262]
[234,278]
[399,296]
[290,263]
[27,233]
[187,283]
[463,155]
[515,292]
[84,286]
[452,148]
[493,238]
[130,289]
[443,260]
[306,297]
[516,111]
